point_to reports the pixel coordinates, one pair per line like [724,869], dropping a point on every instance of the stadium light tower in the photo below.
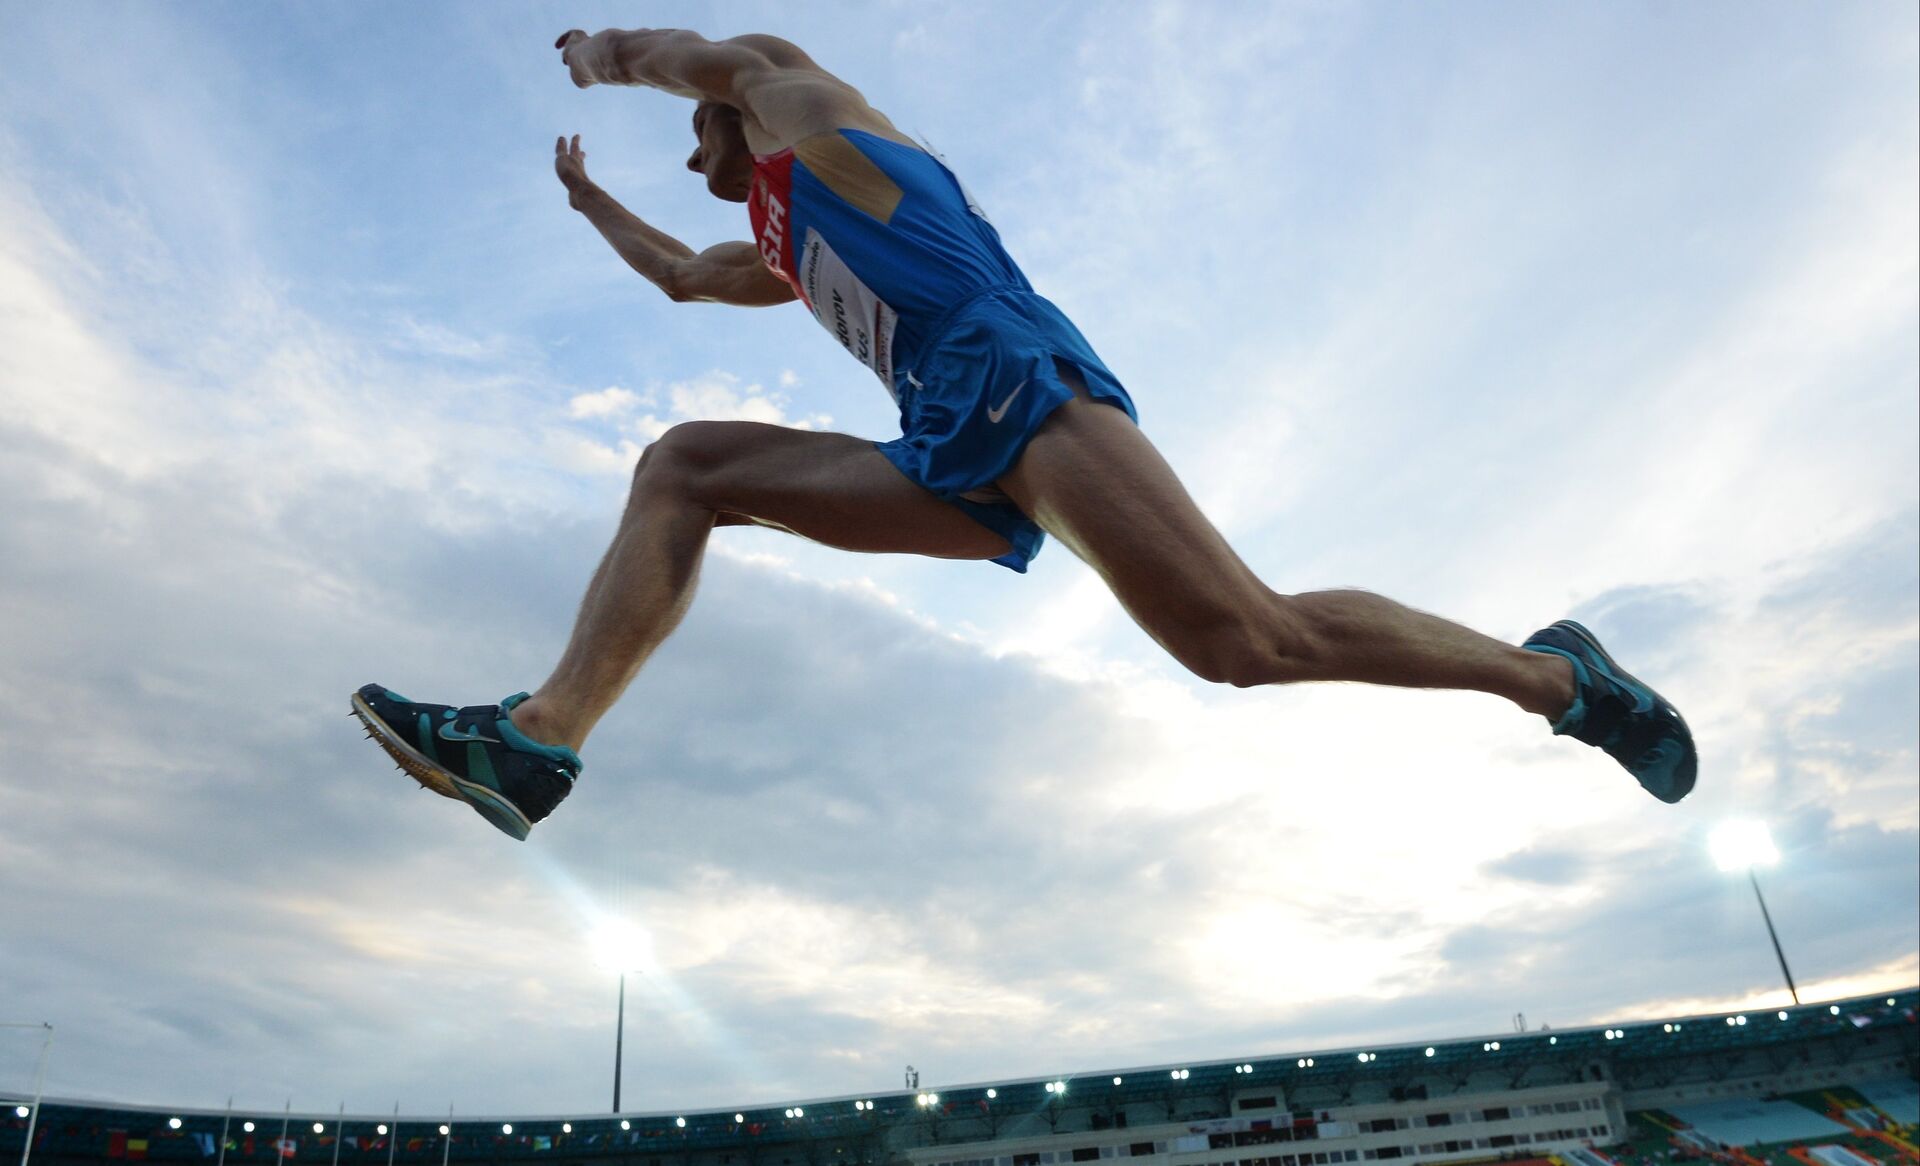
[619,948]
[1743,846]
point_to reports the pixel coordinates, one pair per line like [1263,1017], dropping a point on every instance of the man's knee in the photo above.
[1272,642]
[683,458]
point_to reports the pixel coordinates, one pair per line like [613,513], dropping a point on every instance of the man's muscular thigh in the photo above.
[829,487]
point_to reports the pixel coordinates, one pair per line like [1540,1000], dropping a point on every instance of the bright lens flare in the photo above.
[1742,846]
[620,947]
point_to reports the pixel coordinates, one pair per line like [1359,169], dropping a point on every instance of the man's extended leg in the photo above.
[514,761]
[1094,481]
[828,487]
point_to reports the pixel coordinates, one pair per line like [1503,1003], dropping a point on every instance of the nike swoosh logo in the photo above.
[449,733]
[994,415]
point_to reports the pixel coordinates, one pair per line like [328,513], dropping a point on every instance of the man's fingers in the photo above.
[576,147]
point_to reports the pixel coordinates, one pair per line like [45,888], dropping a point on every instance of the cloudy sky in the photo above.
[310,378]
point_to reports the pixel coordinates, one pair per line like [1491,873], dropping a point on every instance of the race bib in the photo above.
[861,321]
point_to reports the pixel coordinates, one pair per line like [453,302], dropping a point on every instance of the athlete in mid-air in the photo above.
[1011,427]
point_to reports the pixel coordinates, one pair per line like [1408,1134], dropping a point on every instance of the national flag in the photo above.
[285,1146]
[116,1143]
[136,1148]
[205,1142]
[542,1142]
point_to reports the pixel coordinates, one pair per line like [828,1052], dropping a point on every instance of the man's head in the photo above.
[722,154]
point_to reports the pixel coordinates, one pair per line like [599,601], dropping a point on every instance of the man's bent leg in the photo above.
[1090,478]
[828,487]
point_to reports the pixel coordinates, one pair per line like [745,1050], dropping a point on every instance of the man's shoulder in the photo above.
[788,104]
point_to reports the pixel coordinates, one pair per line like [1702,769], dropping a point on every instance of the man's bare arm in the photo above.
[678,61]
[728,273]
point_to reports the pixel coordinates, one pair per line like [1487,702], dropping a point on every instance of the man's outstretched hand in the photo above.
[570,163]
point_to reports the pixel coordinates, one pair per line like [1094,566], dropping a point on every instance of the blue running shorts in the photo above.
[978,393]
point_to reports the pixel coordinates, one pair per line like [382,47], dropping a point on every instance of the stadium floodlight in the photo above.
[21,1111]
[680,1123]
[993,1093]
[1429,1050]
[619,947]
[625,1124]
[799,1112]
[173,1123]
[247,1126]
[1744,845]
[1741,845]
[1783,1014]
[319,1128]
[1833,1010]
[506,1127]
[444,1131]
[1117,1080]
[739,1119]
[566,1127]
[381,1129]
[933,1099]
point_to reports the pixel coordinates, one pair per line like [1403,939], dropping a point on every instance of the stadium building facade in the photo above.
[1835,1077]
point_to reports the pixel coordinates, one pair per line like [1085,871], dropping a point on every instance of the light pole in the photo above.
[39,1083]
[619,1038]
[1743,846]
[620,948]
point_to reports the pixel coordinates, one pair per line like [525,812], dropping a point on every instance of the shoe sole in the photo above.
[504,815]
[1593,643]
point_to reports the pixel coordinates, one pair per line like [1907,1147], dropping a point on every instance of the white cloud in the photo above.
[608,402]
[715,395]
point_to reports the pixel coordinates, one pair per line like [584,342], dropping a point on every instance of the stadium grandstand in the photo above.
[1828,1084]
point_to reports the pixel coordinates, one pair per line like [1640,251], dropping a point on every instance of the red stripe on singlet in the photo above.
[770,209]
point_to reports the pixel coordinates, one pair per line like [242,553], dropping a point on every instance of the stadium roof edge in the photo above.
[1912,995]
